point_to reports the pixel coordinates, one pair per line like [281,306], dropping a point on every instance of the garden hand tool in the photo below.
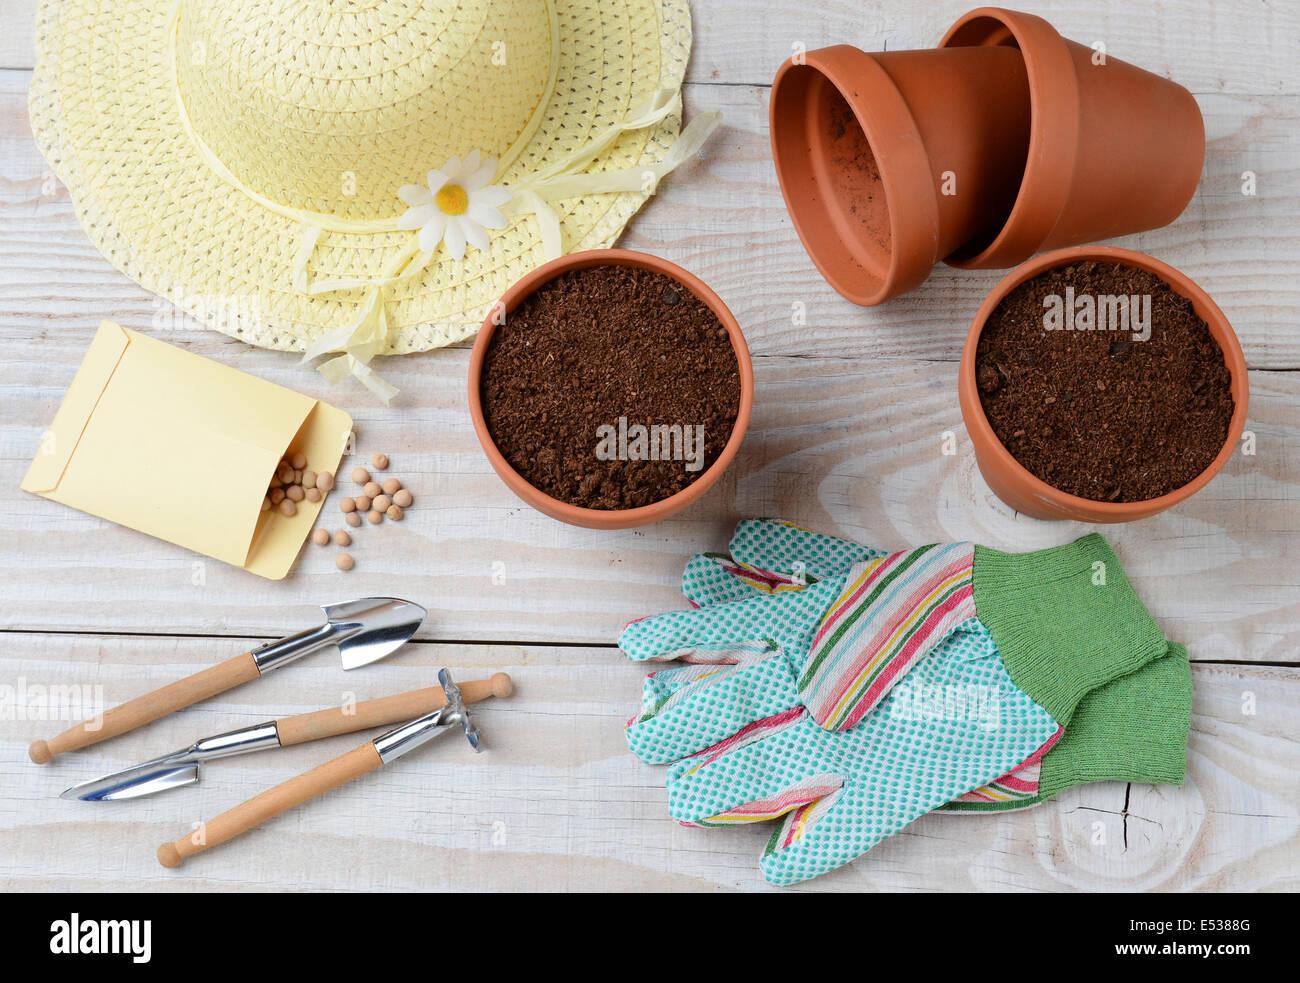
[344,768]
[1131,729]
[855,704]
[361,631]
[182,767]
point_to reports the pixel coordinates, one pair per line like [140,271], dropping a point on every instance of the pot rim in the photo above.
[977,423]
[1054,127]
[609,518]
[904,171]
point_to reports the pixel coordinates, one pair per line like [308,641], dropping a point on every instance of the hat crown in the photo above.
[331,105]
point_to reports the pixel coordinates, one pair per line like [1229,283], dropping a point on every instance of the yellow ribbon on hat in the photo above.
[367,335]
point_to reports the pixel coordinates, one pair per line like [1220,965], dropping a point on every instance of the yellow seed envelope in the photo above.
[181,447]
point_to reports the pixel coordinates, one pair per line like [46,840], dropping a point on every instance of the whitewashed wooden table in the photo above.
[846,437]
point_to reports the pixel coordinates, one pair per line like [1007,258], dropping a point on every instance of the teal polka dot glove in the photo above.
[782,712]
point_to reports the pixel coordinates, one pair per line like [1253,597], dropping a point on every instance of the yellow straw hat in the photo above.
[349,178]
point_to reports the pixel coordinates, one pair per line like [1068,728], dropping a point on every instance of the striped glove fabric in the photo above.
[850,704]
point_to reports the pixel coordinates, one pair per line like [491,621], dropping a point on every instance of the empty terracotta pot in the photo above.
[866,145]
[892,162]
[1114,149]
[609,518]
[1010,480]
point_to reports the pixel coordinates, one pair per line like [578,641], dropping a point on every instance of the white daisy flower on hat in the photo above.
[457,207]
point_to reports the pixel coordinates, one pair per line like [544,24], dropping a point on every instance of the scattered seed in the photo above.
[344,561]
[341,538]
[392,486]
[375,518]
[373,490]
[363,503]
[394,512]
[380,461]
[347,505]
[381,503]
[320,537]
[360,476]
[324,481]
[353,518]
[403,498]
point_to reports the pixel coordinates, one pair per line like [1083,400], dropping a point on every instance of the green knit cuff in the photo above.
[1066,620]
[1133,729]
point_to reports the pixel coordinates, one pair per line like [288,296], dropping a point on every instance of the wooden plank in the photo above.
[723,218]
[1220,572]
[557,802]
[1206,46]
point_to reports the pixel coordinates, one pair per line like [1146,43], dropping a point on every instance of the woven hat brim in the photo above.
[104,114]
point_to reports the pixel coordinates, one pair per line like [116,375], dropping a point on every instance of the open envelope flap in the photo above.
[174,445]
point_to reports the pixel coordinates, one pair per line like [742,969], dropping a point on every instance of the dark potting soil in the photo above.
[1097,413]
[589,358]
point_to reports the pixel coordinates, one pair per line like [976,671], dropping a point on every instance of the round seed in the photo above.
[309,479]
[360,475]
[375,518]
[299,461]
[347,504]
[392,486]
[394,512]
[324,481]
[287,507]
[341,538]
[372,489]
[294,492]
[381,503]
[344,561]
[363,503]
[313,494]
[380,461]
[403,498]
[277,496]
[266,503]
[320,537]
[353,518]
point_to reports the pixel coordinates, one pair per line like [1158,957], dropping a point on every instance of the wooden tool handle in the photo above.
[151,706]
[271,803]
[388,710]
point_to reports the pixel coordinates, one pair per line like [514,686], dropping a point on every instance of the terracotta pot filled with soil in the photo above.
[610,388]
[890,163]
[1101,384]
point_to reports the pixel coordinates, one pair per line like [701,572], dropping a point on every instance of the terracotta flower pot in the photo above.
[1114,149]
[1020,489]
[610,518]
[1046,149]
[862,143]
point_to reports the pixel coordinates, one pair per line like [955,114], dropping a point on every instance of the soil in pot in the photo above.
[610,387]
[1104,383]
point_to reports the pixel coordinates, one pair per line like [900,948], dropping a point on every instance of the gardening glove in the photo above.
[1132,729]
[857,703]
